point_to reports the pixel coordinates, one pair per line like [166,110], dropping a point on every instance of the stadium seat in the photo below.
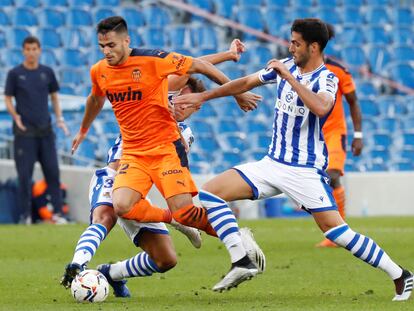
[228,126]
[228,108]
[207,111]
[207,5]
[50,17]
[366,88]
[28,3]
[49,38]
[380,153]
[408,124]
[105,12]
[180,36]
[154,37]
[14,57]
[135,17]
[111,127]
[59,3]
[262,54]
[236,142]
[67,90]
[277,3]
[402,35]
[378,57]
[368,126]
[388,124]
[275,19]
[136,39]
[112,3]
[404,165]
[328,4]
[301,12]
[354,55]
[87,149]
[48,57]
[377,15]
[74,58]
[200,126]
[234,72]
[79,17]
[4,18]
[208,143]
[251,16]
[378,2]
[407,154]
[352,16]
[255,126]
[408,139]
[402,72]
[382,140]
[351,35]
[71,76]
[404,52]
[353,3]
[156,16]
[80,3]
[377,35]
[75,37]
[303,3]
[24,17]
[329,15]
[6,3]
[263,141]
[225,8]
[232,158]
[204,37]
[402,16]
[369,108]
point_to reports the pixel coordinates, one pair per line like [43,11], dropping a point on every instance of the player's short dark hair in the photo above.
[195,85]
[312,30]
[113,23]
[30,40]
[331,30]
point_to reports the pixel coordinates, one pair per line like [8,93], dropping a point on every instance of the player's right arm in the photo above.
[232,88]
[94,104]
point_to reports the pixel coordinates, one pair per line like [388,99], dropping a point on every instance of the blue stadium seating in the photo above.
[14,57]
[201,126]
[377,16]
[225,8]
[369,108]
[28,3]
[49,38]
[135,17]
[203,4]
[330,15]
[404,165]
[180,36]
[6,3]
[403,16]
[79,17]
[4,18]
[404,52]
[48,57]
[204,37]
[354,55]
[207,111]
[208,143]
[256,126]
[408,139]
[378,57]
[112,3]
[51,17]
[156,16]
[352,16]
[232,158]
[136,39]
[3,40]
[352,35]
[277,3]
[263,141]
[276,18]
[378,2]
[402,35]
[104,12]
[353,3]
[228,126]
[377,35]
[24,17]
[75,37]
[251,17]
[382,140]
[402,72]
[366,88]
[58,3]
[155,37]
[85,3]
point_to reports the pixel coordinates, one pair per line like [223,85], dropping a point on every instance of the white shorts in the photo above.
[100,193]
[308,187]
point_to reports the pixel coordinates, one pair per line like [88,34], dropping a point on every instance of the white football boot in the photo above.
[191,233]
[408,279]
[253,250]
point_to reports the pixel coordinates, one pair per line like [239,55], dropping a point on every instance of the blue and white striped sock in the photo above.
[224,223]
[364,248]
[88,243]
[139,265]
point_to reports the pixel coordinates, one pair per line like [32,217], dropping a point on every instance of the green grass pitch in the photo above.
[298,276]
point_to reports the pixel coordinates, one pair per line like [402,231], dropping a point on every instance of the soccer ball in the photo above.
[90,286]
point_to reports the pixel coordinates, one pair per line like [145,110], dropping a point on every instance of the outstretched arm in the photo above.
[93,106]
[356,117]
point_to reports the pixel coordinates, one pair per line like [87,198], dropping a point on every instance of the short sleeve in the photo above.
[96,90]
[173,63]
[267,76]
[53,84]
[10,88]
[328,83]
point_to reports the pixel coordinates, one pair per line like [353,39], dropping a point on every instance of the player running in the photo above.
[334,132]
[135,82]
[297,155]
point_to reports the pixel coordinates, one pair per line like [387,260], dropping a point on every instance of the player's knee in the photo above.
[166,263]
[105,216]
[122,206]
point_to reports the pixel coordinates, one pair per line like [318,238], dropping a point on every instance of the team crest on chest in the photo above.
[136,75]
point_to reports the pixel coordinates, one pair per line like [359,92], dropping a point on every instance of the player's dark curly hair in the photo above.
[30,40]
[312,30]
[195,85]
[113,23]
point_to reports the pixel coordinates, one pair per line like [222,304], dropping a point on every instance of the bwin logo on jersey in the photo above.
[290,109]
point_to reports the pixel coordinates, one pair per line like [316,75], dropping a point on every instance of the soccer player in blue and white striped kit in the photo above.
[297,155]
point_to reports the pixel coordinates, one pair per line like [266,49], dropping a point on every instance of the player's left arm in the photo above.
[318,103]
[60,121]
[356,116]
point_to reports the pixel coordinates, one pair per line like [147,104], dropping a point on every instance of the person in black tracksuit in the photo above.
[30,83]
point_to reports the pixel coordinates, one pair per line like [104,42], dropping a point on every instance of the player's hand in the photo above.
[192,100]
[19,123]
[357,146]
[61,124]
[248,101]
[236,48]
[80,136]
[280,69]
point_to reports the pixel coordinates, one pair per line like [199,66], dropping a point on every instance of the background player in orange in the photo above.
[135,82]
[335,132]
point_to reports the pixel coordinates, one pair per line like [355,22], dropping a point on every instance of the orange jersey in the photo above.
[336,120]
[138,92]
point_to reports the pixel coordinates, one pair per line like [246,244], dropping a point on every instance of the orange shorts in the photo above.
[166,166]
[336,144]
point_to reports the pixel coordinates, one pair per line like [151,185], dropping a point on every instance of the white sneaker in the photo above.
[59,220]
[253,250]
[408,279]
[234,277]
[191,233]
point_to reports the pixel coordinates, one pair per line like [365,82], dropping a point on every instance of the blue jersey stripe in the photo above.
[283,132]
[311,140]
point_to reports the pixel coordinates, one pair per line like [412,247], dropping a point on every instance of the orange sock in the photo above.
[195,217]
[339,195]
[143,211]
